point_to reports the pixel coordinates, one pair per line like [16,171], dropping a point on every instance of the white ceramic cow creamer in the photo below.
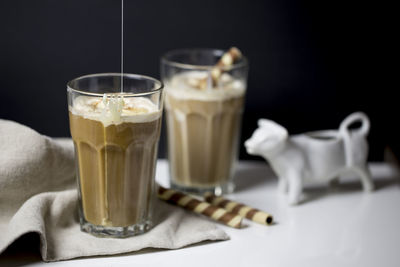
[314,156]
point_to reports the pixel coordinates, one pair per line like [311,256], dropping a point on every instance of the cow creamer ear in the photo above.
[263,122]
[273,128]
[281,133]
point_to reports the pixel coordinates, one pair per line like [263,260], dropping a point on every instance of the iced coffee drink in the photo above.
[203,119]
[115,137]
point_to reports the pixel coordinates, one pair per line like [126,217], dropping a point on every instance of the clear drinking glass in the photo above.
[203,125]
[116,139]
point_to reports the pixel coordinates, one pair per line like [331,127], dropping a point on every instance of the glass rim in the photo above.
[159,85]
[165,60]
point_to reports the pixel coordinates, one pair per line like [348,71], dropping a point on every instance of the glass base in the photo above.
[115,232]
[216,190]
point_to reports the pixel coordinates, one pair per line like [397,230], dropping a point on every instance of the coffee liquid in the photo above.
[115,169]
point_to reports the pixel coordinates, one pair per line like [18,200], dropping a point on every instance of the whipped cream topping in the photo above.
[182,86]
[115,109]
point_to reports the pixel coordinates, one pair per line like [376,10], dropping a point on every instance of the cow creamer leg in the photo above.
[365,177]
[334,183]
[282,185]
[295,188]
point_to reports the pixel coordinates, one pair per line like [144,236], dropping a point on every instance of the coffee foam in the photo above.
[115,109]
[181,86]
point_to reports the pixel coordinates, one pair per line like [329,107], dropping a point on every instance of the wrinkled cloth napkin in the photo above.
[37,194]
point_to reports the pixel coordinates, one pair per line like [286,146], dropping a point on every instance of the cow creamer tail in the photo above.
[356,146]
[354,138]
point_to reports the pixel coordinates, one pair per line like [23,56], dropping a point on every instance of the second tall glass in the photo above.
[203,122]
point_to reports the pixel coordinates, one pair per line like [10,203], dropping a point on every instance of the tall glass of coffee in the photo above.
[115,124]
[204,94]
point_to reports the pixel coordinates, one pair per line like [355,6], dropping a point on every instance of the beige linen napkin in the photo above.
[37,194]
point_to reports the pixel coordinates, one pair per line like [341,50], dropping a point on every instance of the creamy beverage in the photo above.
[203,128]
[115,123]
[115,142]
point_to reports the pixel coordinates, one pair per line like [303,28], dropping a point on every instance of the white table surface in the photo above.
[340,226]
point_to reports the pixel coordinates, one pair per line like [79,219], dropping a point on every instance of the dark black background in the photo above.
[311,62]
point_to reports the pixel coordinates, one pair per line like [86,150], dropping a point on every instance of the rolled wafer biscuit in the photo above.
[227,60]
[241,209]
[200,207]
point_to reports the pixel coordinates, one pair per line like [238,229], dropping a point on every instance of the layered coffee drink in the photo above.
[115,140]
[203,128]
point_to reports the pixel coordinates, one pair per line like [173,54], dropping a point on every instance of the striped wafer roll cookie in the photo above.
[200,207]
[241,209]
[227,60]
